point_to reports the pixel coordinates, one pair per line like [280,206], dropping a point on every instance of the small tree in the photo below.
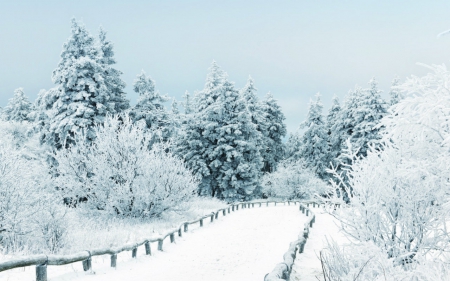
[19,108]
[150,110]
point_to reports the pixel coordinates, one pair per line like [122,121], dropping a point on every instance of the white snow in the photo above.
[307,266]
[243,245]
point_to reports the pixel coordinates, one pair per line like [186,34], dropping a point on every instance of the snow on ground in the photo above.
[307,266]
[244,245]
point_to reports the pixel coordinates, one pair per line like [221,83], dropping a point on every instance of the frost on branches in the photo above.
[220,139]
[399,192]
[87,88]
[119,175]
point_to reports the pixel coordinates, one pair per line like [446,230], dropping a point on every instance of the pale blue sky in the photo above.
[291,48]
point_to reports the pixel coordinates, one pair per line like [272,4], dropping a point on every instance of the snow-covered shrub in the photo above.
[399,192]
[118,174]
[52,227]
[365,261]
[292,180]
[23,184]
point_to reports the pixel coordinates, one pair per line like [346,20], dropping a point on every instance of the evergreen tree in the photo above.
[314,145]
[274,132]
[395,94]
[371,109]
[81,95]
[114,84]
[219,143]
[334,140]
[150,110]
[19,108]
[187,104]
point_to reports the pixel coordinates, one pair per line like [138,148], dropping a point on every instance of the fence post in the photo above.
[307,212]
[186,227]
[260,204]
[224,212]
[275,203]
[289,203]
[253,205]
[134,253]
[172,237]
[87,264]
[217,215]
[228,210]
[212,217]
[232,208]
[180,232]
[41,272]
[201,223]
[148,250]
[114,260]
[237,207]
[160,245]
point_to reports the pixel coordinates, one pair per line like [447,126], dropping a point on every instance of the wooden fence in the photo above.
[282,271]
[42,261]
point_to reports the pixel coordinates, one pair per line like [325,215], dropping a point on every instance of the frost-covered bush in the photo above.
[365,261]
[399,192]
[292,180]
[23,194]
[118,174]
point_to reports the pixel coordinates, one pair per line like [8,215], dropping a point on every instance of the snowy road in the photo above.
[244,245]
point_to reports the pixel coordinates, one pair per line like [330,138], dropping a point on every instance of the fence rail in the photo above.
[42,261]
[282,271]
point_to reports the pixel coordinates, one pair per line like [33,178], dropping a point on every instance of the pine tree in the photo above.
[187,104]
[19,108]
[334,140]
[395,93]
[274,132]
[314,145]
[150,110]
[371,109]
[81,95]
[114,84]
[219,143]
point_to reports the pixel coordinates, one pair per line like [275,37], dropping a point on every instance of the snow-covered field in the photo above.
[244,245]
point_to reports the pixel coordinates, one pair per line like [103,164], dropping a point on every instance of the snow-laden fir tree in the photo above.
[334,140]
[187,104]
[19,108]
[345,123]
[114,84]
[313,143]
[395,94]
[257,114]
[275,131]
[371,109]
[220,140]
[150,110]
[82,92]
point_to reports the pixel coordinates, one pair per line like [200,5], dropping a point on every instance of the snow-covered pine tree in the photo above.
[114,84]
[219,143]
[334,140]
[395,94]
[257,115]
[150,109]
[314,145]
[19,108]
[371,109]
[81,97]
[274,132]
[187,104]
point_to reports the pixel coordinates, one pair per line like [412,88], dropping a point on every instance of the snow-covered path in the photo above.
[244,245]
[307,266]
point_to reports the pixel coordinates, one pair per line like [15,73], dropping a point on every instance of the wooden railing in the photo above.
[42,261]
[283,270]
